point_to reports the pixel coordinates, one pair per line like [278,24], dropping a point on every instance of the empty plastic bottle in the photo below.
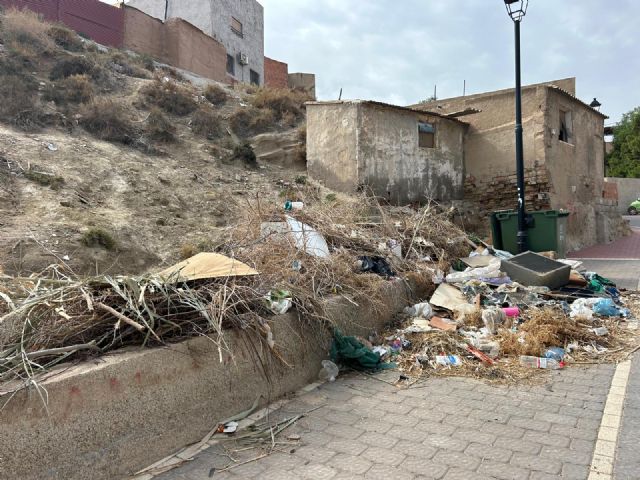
[537,362]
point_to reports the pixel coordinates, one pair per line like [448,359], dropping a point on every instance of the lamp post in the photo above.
[517,9]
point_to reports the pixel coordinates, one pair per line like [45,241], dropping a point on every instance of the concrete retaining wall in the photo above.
[628,191]
[111,417]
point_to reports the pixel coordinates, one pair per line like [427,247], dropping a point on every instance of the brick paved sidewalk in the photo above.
[627,247]
[444,428]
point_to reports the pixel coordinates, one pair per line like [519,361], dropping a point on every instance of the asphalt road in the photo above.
[634,220]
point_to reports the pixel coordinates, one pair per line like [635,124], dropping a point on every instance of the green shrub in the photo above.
[215,94]
[169,96]
[98,238]
[206,122]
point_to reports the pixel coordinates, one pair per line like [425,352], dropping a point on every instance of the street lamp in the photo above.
[517,9]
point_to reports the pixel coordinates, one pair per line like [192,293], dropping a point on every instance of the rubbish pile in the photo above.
[487,305]
[276,260]
[496,316]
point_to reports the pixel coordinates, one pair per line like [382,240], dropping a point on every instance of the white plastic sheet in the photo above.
[307,238]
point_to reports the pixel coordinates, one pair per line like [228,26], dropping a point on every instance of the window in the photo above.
[254,77]
[426,135]
[236,26]
[231,65]
[566,127]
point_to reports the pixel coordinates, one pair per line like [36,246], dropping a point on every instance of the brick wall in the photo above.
[93,18]
[276,74]
[175,42]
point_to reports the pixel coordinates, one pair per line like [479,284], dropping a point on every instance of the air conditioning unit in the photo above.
[243,59]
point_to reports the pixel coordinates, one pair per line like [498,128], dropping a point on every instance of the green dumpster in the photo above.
[547,231]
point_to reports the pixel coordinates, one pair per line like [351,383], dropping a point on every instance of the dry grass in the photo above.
[206,122]
[215,94]
[20,105]
[98,238]
[287,105]
[25,34]
[245,153]
[169,96]
[108,120]
[132,66]
[544,328]
[159,127]
[69,66]
[251,121]
[66,38]
[73,89]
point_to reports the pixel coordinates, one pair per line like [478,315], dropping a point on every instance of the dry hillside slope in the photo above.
[112,163]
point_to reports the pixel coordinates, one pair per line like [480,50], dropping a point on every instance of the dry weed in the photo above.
[108,120]
[25,34]
[159,127]
[215,94]
[206,122]
[66,38]
[169,96]
[73,89]
[251,121]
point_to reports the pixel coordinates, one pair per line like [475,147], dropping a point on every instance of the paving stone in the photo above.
[342,418]
[351,463]
[378,472]
[475,436]
[407,447]
[375,439]
[315,453]
[500,430]
[489,452]
[581,413]
[543,476]
[427,414]
[400,420]
[446,442]
[490,416]
[344,431]
[536,463]
[580,445]
[383,456]
[518,445]
[547,439]
[373,425]
[462,421]
[456,459]
[530,424]
[275,474]
[460,474]
[502,471]
[575,472]
[566,455]
[557,418]
[346,446]
[428,426]
[283,461]
[582,433]
[535,405]
[424,466]
[315,471]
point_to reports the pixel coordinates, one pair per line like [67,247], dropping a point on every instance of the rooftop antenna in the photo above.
[435,92]
[340,96]
[464,88]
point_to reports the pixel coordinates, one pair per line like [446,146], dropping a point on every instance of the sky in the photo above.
[396,51]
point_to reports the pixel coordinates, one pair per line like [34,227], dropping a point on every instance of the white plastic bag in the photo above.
[307,238]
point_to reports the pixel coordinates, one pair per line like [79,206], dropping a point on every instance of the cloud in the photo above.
[397,50]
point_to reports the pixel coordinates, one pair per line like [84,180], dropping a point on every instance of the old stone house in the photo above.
[237,24]
[563,154]
[400,154]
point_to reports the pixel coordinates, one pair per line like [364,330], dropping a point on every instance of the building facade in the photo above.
[399,154]
[563,154]
[237,24]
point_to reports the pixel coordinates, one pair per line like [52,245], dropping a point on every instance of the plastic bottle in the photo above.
[537,362]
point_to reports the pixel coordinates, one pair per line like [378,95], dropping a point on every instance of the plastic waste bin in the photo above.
[547,231]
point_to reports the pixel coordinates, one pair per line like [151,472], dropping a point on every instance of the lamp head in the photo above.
[516,9]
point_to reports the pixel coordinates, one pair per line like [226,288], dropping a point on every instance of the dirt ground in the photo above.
[156,207]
